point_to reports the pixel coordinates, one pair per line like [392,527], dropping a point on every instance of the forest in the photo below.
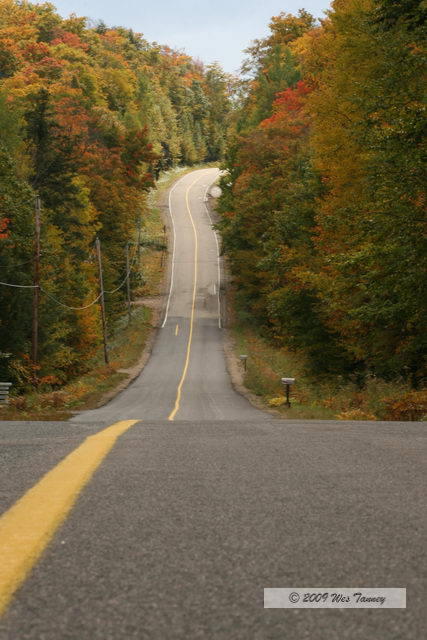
[323,209]
[89,118]
[322,217]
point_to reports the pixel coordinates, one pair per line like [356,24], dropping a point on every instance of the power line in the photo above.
[120,285]
[126,277]
[19,286]
[49,295]
[66,306]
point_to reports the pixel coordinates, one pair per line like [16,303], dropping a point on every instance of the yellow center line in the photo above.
[193,306]
[176,329]
[28,526]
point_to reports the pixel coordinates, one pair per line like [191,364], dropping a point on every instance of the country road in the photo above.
[164,514]
[186,374]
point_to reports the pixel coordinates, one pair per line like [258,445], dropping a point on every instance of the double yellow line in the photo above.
[29,525]
[193,305]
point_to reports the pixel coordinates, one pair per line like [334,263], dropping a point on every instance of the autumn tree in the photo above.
[323,211]
[89,117]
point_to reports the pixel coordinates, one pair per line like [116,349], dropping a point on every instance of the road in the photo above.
[191,333]
[165,514]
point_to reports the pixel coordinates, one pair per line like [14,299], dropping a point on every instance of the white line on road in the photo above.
[219,263]
[205,199]
[173,249]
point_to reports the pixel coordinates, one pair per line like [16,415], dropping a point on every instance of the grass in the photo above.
[324,398]
[86,392]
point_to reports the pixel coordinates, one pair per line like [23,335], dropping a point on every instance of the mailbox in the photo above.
[287,383]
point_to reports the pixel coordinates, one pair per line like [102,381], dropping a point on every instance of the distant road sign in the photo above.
[216,191]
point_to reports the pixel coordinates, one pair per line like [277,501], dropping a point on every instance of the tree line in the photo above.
[323,208]
[89,117]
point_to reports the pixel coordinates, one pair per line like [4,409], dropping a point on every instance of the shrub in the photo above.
[355,414]
[277,402]
[411,406]
[56,399]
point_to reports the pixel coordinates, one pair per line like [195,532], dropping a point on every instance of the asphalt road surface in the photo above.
[165,514]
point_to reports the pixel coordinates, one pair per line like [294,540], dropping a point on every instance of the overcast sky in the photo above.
[211,31]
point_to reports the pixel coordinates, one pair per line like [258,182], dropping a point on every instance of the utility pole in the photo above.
[36,282]
[138,250]
[128,282]
[101,287]
[162,257]
[138,247]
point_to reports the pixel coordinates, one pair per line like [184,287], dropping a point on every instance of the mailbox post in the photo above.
[287,383]
[244,358]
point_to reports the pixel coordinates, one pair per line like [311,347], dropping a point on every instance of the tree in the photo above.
[88,118]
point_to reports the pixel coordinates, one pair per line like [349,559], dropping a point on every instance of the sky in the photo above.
[212,31]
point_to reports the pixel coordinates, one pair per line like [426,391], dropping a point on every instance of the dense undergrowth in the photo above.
[87,391]
[316,395]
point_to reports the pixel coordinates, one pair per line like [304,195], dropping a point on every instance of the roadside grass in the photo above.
[126,341]
[86,392]
[321,397]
